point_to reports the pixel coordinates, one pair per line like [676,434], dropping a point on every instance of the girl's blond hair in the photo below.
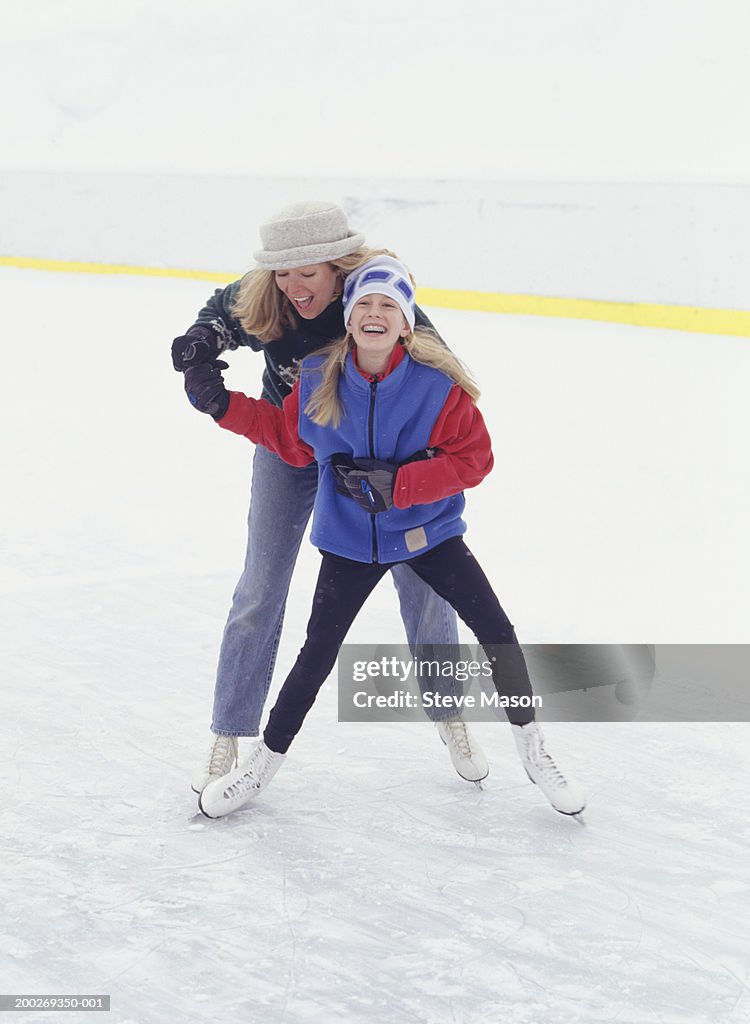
[265,312]
[423,345]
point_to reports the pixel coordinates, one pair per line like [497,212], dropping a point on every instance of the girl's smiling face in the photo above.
[310,289]
[376,324]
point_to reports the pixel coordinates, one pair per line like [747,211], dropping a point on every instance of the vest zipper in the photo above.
[371,438]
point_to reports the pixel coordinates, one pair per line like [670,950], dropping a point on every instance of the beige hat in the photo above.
[306,233]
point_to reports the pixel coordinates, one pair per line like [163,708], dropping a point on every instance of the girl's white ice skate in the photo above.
[565,795]
[222,796]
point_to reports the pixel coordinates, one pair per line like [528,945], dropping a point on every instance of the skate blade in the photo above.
[475,782]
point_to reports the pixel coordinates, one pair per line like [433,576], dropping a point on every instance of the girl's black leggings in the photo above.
[344,586]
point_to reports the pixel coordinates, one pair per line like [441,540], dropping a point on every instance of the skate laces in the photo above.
[542,761]
[459,735]
[549,771]
[223,749]
[254,775]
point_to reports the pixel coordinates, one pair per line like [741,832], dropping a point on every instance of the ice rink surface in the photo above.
[369,884]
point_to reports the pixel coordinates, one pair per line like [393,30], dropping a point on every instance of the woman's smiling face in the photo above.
[310,289]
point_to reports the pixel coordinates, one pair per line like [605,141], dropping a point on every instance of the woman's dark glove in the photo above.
[368,481]
[199,345]
[205,388]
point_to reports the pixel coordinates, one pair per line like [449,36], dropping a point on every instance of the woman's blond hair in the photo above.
[423,345]
[265,312]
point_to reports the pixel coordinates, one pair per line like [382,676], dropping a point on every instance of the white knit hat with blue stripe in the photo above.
[382,275]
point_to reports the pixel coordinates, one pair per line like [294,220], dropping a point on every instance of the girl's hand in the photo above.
[369,482]
[205,388]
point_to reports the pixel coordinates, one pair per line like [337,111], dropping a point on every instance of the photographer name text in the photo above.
[429,699]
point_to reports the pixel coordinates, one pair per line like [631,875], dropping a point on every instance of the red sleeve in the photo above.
[465,456]
[266,424]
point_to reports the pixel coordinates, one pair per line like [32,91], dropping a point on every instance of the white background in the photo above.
[595,90]
[592,150]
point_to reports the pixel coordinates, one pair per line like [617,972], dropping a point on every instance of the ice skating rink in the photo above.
[369,883]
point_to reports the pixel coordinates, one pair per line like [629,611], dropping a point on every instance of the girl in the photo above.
[390,416]
[287,308]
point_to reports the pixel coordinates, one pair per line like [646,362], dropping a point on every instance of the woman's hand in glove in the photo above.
[199,345]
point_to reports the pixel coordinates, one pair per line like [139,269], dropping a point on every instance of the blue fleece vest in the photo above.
[390,420]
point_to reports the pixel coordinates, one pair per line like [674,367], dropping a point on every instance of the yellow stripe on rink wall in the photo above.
[75,267]
[641,314]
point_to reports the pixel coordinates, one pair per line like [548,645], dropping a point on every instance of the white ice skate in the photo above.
[222,796]
[221,756]
[565,795]
[466,754]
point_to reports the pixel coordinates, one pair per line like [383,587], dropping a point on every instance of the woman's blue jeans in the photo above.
[281,502]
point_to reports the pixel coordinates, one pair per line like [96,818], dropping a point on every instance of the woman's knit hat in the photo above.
[382,275]
[306,233]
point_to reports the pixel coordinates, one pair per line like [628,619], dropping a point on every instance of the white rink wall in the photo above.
[589,151]
[684,245]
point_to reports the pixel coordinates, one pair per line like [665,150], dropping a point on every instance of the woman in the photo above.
[289,308]
[390,416]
